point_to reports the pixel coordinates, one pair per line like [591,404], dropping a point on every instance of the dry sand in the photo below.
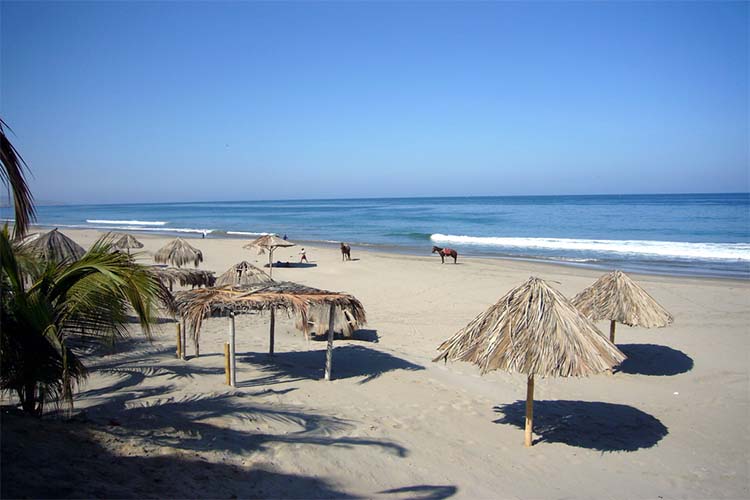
[672,423]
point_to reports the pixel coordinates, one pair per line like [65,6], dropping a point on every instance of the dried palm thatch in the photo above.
[317,318]
[268,242]
[533,330]
[178,252]
[196,305]
[185,277]
[56,247]
[617,298]
[126,242]
[298,300]
[242,274]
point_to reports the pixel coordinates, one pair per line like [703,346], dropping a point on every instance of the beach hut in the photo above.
[56,247]
[195,306]
[126,242]
[242,274]
[534,330]
[178,252]
[619,299]
[269,243]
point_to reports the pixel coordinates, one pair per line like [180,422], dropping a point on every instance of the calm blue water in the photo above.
[700,234]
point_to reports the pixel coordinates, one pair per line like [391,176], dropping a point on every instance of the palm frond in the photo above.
[13,175]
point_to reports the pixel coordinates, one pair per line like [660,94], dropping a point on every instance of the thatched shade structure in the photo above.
[196,305]
[185,277]
[533,330]
[617,298]
[178,252]
[56,247]
[126,242]
[242,274]
[269,243]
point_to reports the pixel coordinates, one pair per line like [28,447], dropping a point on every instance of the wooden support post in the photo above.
[232,361]
[612,331]
[184,339]
[329,350]
[528,437]
[270,262]
[271,333]
[226,364]
[179,341]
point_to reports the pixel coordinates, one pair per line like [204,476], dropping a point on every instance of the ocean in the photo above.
[693,234]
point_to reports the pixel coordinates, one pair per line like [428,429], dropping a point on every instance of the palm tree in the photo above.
[46,306]
[12,175]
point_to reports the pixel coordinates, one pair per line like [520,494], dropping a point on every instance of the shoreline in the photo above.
[412,251]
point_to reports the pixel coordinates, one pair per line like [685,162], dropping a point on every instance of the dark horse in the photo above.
[346,252]
[445,252]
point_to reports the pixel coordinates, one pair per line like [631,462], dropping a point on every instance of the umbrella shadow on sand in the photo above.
[652,359]
[587,424]
[348,361]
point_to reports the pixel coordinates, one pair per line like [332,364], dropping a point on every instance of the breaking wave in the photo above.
[128,222]
[667,249]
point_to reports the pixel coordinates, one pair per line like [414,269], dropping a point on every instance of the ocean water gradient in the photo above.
[699,234]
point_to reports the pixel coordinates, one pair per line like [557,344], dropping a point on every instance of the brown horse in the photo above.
[346,252]
[445,252]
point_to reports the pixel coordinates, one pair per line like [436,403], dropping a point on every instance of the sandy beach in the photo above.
[673,422]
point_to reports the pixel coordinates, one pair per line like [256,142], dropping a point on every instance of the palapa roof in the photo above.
[268,242]
[535,330]
[126,241]
[185,277]
[178,252]
[196,305]
[616,297]
[56,247]
[241,274]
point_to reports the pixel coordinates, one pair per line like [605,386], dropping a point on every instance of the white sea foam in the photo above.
[247,233]
[141,228]
[667,249]
[128,222]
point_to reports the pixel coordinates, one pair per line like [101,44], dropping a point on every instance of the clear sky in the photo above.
[116,102]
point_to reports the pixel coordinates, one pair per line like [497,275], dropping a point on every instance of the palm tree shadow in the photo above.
[26,439]
[587,424]
[652,359]
[348,361]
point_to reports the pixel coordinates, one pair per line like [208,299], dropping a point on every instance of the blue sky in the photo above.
[114,102]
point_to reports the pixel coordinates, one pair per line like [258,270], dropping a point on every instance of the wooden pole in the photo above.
[184,340]
[227,378]
[529,411]
[270,262]
[232,361]
[612,331]
[329,350]
[179,341]
[271,333]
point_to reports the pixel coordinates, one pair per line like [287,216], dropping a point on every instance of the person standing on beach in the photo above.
[302,256]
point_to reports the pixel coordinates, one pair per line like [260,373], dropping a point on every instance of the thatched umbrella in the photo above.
[269,243]
[185,277]
[242,274]
[533,330]
[178,253]
[126,242]
[617,298]
[56,247]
